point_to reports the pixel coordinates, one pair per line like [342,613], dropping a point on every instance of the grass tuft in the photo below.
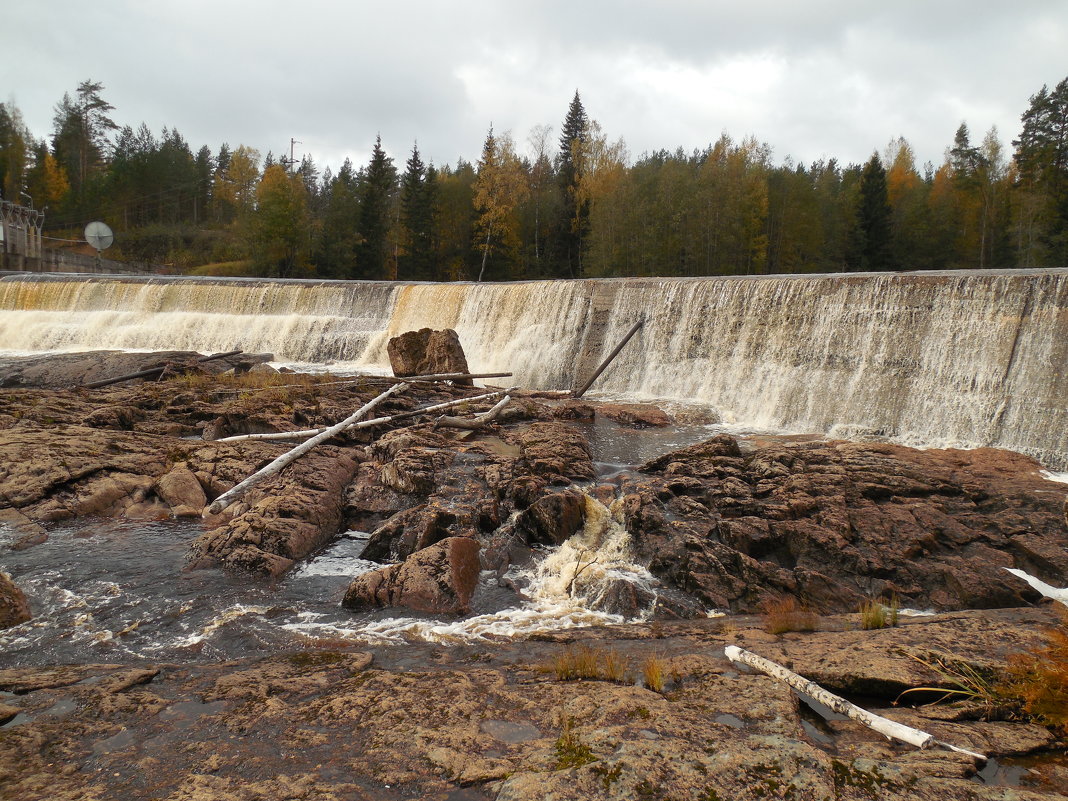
[571,752]
[785,614]
[585,662]
[653,670]
[877,615]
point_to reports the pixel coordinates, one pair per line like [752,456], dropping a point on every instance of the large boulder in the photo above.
[439,579]
[425,352]
[14,608]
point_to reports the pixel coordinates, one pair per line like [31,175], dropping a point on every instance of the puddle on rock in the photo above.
[730,720]
[1046,772]
[509,732]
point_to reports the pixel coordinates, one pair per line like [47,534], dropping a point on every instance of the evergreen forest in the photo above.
[565,203]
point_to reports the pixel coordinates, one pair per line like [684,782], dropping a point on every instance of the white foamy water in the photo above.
[1059,477]
[964,359]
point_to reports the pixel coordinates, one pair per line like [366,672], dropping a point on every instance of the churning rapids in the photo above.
[925,359]
[117,590]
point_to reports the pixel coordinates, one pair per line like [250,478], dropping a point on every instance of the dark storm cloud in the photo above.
[812,79]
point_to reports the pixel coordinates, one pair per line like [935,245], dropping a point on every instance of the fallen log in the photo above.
[604,365]
[154,371]
[311,432]
[888,728]
[386,378]
[286,458]
[1048,590]
[478,422]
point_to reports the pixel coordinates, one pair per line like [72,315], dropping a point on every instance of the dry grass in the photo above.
[785,614]
[585,662]
[877,615]
[653,670]
[1039,679]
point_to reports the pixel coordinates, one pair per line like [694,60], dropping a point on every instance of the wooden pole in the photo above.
[368,423]
[153,371]
[612,355]
[888,728]
[233,494]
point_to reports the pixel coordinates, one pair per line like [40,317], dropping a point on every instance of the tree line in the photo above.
[566,206]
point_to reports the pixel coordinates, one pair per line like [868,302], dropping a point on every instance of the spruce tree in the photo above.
[574,222]
[417,220]
[376,200]
[872,251]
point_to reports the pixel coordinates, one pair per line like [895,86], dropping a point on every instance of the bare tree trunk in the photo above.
[479,421]
[368,423]
[286,458]
[485,252]
[888,728]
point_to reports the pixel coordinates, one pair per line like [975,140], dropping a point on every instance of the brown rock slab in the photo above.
[440,579]
[637,415]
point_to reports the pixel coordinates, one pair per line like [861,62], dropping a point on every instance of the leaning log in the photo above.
[888,728]
[154,371]
[604,365]
[230,496]
[311,432]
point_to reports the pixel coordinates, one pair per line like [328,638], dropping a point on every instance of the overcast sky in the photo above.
[822,78]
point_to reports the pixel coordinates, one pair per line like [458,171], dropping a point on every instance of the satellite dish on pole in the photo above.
[99,236]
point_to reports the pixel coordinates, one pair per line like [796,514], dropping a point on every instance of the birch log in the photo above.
[886,727]
[286,458]
[477,422]
[368,423]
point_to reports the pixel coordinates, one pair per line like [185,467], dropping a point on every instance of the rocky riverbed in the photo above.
[523,518]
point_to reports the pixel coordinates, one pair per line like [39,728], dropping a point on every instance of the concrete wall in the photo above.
[66,261]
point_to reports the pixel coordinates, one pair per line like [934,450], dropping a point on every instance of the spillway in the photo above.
[962,359]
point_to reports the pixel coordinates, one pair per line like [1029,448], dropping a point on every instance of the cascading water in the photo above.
[937,359]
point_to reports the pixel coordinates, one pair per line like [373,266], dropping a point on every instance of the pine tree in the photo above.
[872,242]
[376,200]
[573,224]
[417,219]
[1042,187]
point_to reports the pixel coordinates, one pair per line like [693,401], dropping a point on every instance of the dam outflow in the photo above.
[955,359]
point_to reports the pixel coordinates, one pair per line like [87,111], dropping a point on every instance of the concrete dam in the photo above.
[955,359]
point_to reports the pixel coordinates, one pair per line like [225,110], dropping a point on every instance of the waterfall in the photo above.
[936,359]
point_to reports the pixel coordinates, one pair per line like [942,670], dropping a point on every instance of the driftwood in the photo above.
[475,423]
[886,727]
[368,423]
[604,365]
[154,371]
[233,494]
[1045,589]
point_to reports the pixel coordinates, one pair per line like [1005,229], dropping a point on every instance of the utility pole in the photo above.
[289,162]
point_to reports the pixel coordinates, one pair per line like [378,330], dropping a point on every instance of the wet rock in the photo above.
[26,532]
[835,522]
[289,516]
[553,518]
[636,415]
[555,451]
[425,352]
[14,608]
[440,579]
[180,489]
[74,369]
